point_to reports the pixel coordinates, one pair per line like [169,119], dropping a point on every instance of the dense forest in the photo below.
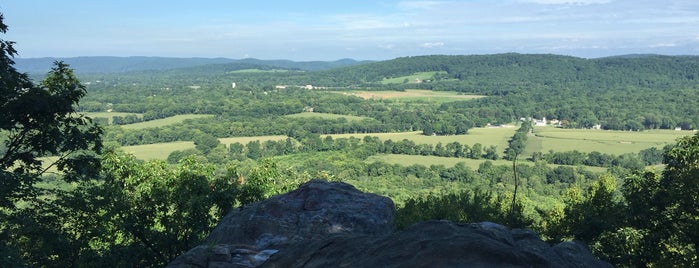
[70,196]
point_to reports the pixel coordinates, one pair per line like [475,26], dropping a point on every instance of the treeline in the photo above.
[368,146]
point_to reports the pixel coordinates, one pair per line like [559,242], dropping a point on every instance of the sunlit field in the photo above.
[165,121]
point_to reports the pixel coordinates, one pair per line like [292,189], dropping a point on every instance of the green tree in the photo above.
[148,213]
[37,121]
[678,197]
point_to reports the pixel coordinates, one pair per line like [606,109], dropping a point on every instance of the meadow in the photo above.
[243,71]
[543,140]
[487,136]
[158,150]
[604,141]
[110,115]
[326,116]
[412,95]
[165,121]
[411,78]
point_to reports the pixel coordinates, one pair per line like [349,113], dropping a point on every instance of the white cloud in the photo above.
[567,2]
[663,45]
[432,45]
[420,4]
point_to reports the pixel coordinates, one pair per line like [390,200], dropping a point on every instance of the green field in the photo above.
[484,136]
[326,116]
[603,141]
[411,95]
[157,151]
[246,140]
[245,71]
[545,139]
[411,78]
[165,121]
[408,160]
[109,115]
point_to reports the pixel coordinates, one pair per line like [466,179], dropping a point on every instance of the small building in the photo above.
[540,123]
[678,129]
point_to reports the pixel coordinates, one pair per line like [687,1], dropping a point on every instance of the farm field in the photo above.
[408,160]
[109,115]
[410,78]
[165,121]
[326,116]
[157,151]
[258,71]
[413,95]
[603,141]
[485,136]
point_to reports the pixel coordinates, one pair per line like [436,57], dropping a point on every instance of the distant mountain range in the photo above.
[131,64]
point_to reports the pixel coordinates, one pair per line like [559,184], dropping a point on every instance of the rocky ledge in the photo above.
[332,224]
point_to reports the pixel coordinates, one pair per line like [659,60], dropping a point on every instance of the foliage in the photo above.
[38,121]
[465,206]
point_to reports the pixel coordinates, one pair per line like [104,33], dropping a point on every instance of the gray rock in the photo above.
[437,244]
[313,211]
[332,224]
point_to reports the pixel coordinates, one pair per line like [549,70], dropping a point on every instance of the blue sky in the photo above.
[359,29]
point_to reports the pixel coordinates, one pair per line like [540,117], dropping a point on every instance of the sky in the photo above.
[357,29]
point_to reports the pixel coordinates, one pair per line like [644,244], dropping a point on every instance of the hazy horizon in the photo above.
[360,30]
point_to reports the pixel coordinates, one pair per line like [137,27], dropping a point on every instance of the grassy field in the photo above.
[165,121]
[243,71]
[110,115]
[547,138]
[412,95]
[326,116]
[246,140]
[484,136]
[604,141]
[408,160]
[411,78]
[158,150]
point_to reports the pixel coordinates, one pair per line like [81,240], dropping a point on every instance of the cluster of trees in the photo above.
[650,221]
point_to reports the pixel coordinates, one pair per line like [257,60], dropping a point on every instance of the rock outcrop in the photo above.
[331,224]
[248,235]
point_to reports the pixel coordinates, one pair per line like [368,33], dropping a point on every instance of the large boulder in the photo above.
[437,244]
[247,236]
[332,224]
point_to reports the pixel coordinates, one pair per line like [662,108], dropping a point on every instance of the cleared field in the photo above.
[246,140]
[326,116]
[413,78]
[604,141]
[258,71]
[408,160]
[109,115]
[158,150]
[485,136]
[413,95]
[166,121]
